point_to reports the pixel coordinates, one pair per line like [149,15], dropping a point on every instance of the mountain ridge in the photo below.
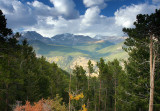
[69,39]
[68,50]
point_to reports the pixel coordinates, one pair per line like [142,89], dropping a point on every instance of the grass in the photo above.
[113,48]
[61,53]
[120,55]
[65,56]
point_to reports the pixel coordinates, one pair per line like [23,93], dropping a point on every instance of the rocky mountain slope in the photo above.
[67,50]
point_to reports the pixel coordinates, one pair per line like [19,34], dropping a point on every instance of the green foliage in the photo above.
[23,76]
[70,53]
[81,78]
[135,89]
[56,104]
[101,66]
[4,31]
[90,67]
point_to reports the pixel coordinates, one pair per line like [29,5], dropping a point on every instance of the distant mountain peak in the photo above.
[31,35]
[34,36]
[69,39]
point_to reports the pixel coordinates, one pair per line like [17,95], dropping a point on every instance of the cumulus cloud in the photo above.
[63,18]
[6,6]
[17,13]
[40,9]
[49,26]
[90,3]
[65,7]
[91,16]
[89,24]
[126,15]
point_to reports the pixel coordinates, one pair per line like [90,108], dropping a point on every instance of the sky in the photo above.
[81,17]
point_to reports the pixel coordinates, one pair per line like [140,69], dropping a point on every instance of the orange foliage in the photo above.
[71,96]
[28,107]
[44,105]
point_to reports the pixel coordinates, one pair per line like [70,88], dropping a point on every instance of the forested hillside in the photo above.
[28,83]
[23,76]
[68,49]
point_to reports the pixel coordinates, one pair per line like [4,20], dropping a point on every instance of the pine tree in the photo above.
[101,65]
[4,31]
[90,71]
[147,28]
[22,75]
[117,74]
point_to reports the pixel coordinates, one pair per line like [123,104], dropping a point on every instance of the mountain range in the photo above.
[67,49]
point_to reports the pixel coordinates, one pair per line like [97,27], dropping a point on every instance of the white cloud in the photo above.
[40,9]
[89,24]
[156,1]
[90,3]
[125,16]
[17,13]
[63,18]
[6,6]
[23,15]
[66,7]
[91,16]
[49,26]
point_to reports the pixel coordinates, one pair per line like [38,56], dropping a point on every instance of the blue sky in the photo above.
[85,17]
[112,5]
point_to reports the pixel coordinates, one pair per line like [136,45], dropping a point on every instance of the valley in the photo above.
[67,50]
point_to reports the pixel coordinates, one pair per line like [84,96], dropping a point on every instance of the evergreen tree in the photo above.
[117,74]
[23,76]
[80,85]
[147,31]
[4,31]
[90,71]
[101,65]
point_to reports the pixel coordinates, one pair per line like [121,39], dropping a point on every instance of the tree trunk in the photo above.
[151,75]
[115,83]
[105,108]
[70,92]
[7,88]
[95,107]
[6,108]
[88,91]
[99,96]
[95,98]
[115,98]
[52,92]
